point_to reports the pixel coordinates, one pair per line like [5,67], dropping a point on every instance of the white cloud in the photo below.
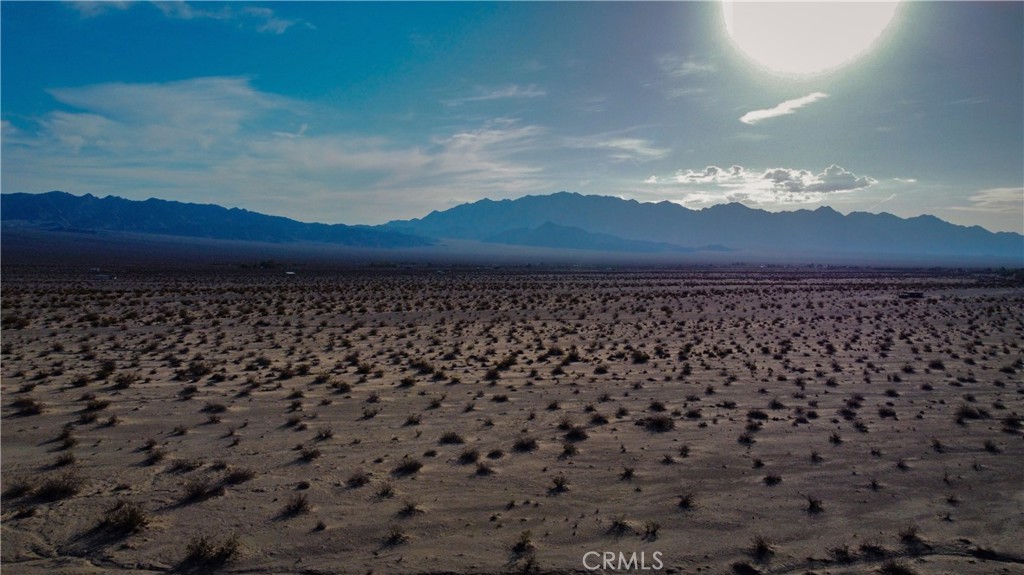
[772,186]
[783,109]
[677,67]
[833,179]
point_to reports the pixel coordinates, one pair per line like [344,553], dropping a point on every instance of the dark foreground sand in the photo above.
[492,421]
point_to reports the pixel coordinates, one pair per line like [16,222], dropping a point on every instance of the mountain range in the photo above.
[60,211]
[724,226]
[567,221]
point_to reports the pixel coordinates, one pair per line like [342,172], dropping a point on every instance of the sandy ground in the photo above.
[493,421]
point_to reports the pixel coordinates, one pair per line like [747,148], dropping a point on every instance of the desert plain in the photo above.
[464,420]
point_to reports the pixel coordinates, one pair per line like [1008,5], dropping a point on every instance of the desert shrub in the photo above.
[842,555]
[357,479]
[204,551]
[525,444]
[201,488]
[909,535]
[186,465]
[309,453]
[560,483]
[576,433]
[451,438]
[297,505]
[26,406]
[658,423]
[125,517]
[408,466]
[239,475]
[156,455]
[761,549]
[65,459]
[214,408]
[395,536]
[619,527]
[469,456]
[409,508]
[524,543]
[60,486]
[19,488]
[965,412]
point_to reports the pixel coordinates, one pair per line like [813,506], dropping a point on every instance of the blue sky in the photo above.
[368,112]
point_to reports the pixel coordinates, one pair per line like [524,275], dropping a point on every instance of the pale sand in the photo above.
[258,331]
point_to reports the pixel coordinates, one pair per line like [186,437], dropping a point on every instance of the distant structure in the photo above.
[911,295]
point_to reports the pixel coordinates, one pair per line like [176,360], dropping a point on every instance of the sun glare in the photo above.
[805,38]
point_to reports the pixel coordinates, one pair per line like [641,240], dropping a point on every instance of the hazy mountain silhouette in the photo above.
[735,226]
[60,211]
[564,220]
[555,236]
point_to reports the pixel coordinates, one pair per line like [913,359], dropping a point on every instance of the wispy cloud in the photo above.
[996,200]
[258,18]
[677,67]
[89,9]
[512,91]
[219,135]
[619,147]
[784,109]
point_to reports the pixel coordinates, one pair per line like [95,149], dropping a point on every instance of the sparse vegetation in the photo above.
[208,553]
[369,390]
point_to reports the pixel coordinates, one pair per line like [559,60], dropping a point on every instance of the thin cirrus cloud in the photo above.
[261,19]
[512,91]
[618,147]
[996,200]
[677,67]
[784,109]
[186,139]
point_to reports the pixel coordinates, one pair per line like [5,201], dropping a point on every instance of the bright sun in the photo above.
[804,38]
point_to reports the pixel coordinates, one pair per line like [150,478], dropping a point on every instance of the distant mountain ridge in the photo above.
[61,211]
[563,220]
[734,226]
[566,237]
